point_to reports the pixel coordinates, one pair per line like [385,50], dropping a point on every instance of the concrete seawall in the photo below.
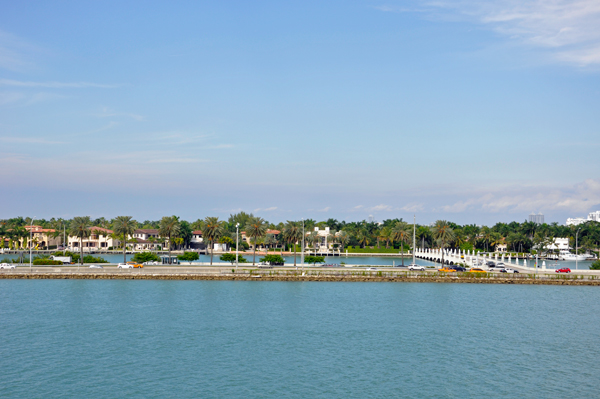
[321,276]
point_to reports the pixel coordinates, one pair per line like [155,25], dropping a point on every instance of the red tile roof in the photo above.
[38,229]
[102,229]
[147,231]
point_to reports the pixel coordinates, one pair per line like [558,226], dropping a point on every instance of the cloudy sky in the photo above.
[472,111]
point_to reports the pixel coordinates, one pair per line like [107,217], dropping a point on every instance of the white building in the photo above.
[196,241]
[99,238]
[592,216]
[147,239]
[595,216]
[536,218]
[575,221]
[558,244]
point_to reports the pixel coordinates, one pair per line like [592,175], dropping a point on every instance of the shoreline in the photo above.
[311,277]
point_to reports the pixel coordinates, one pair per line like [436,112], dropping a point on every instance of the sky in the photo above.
[470,111]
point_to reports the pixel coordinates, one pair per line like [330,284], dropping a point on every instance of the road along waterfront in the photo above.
[293,274]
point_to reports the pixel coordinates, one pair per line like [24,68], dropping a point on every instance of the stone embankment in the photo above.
[490,278]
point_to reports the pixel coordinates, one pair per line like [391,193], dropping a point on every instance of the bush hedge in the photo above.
[46,262]
[189,256]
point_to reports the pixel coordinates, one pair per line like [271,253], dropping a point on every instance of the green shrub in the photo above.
[189,256]
[314,259]
[92,259]
[595,265]
[142,257]
[273,260]
[46,261]
[229,257]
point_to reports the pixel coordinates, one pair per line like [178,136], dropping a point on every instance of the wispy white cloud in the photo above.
[381,207]
[414,207]
[15,53]
[326,209]
[27,140]
[575,199]
[174,160]
[10,97]
[43,97]
[566,28]
[269,209]
[24,99]
[56,85]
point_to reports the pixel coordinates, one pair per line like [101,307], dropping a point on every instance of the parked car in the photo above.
[509,271]
[96,267]
[563,270]
[124,266]
[413,266]
[447,269]
[477,270]
[6,266]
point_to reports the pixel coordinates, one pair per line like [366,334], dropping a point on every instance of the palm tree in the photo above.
[332,239]
[363,238]
[443,233]
[80,228]
[343,239]
[169,227]
[125,226]
[496,239]
[402,233]
[486,236]
[255,229]
[213,230]
[292,233]
[385,235]
[271,241]
[311,239]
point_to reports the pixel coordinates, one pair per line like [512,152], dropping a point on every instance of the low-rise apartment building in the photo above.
[99,239]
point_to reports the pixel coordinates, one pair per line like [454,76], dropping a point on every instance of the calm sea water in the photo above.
[191,339]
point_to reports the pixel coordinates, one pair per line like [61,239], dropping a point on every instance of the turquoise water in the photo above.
[191,339]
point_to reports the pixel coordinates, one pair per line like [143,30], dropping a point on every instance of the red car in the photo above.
[563,270]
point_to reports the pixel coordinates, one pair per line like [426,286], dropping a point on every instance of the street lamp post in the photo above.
[30,246]
[302,253]
[576,234]
[237,226]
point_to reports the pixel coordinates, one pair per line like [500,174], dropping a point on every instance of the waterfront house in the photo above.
[146,239]
[41,237]
[196,241]
[99,239]
[274,233]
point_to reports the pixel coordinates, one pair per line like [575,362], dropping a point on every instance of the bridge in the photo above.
[473,259]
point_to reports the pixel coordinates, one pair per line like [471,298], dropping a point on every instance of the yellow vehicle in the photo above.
[135,264]
[447,269]
[477,270]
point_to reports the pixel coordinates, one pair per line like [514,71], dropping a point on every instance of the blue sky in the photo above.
[471,111]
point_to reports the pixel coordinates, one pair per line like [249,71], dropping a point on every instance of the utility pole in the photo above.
[302,253]
[237,239]
[30,246]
